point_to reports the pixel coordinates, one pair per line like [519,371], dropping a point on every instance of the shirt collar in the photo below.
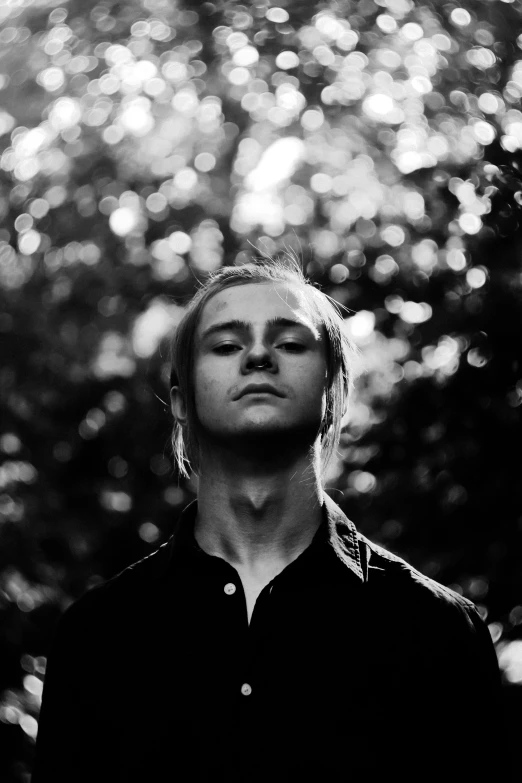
[337,531]
[344,540]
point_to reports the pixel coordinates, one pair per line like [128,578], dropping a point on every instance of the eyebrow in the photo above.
[236,325]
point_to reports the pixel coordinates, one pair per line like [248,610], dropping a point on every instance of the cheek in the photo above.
[208,385]
[203,391]
[313,380]
[311,398]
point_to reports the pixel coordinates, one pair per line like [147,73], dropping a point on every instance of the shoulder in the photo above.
[441,628]
[137,596]
[411,591]
[392,581]
[121,596]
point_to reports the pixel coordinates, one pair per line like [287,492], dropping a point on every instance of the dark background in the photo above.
[142,147]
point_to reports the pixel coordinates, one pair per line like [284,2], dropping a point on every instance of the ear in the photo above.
[178,406]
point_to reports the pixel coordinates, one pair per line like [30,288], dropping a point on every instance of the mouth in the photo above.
[259,388]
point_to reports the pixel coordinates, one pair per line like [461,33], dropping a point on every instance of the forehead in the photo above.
[257,303]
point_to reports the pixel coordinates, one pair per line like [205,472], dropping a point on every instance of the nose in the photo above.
[259,357]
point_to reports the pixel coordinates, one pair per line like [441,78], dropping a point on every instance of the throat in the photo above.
[257,503]
[254,583]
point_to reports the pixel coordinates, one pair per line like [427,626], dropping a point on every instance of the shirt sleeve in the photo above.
[463,735]
[485,710]
[73,739]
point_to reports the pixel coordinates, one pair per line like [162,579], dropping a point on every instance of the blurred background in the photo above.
[143,145]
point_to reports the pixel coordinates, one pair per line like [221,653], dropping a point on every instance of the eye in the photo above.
[224,349]
[292,347]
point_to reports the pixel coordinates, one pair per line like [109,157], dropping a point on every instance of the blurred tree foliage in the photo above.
[144,144]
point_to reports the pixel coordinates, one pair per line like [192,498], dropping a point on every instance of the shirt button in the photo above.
[246,689]
[230,588]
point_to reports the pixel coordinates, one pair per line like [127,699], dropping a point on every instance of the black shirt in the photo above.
[354,667]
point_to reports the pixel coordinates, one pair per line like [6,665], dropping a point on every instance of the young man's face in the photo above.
[259,367]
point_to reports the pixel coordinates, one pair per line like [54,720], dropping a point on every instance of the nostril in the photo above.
[260,365]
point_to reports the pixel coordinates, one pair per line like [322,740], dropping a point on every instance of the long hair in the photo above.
[339,349]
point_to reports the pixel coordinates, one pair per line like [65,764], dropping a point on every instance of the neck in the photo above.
[258,514]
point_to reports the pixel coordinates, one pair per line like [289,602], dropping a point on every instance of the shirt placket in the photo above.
[235,609]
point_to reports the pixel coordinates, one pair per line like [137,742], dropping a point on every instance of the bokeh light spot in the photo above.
[205,161]
[29,242]
[362,324]
[470,223]
[148,532]
[123,220]
[460,17]
[510,661]
[277,15]
[180,242]
[476,277]
[287,60]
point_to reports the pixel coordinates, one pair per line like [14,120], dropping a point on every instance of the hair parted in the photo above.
[341,353]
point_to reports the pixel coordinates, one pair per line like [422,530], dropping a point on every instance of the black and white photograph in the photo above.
[260,391]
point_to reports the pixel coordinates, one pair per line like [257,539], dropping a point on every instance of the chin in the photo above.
[278,435]
[270,432]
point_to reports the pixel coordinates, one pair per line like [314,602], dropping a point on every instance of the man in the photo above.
[267,640]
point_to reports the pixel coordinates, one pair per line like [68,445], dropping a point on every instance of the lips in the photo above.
[259,388]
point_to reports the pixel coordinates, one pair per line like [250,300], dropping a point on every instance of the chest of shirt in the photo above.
[318,665]
[308,649]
